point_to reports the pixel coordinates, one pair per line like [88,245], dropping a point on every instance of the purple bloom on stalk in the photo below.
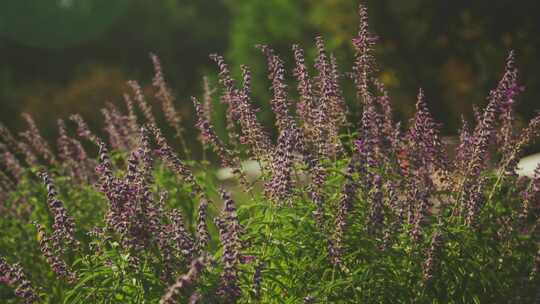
[82,129]
[256,280]
[73,156]
[513,153]
[531,197]
[229,234]
[432,261]
[164,95]
[36,141]
[12,165]
[116,126]
[376,216]
[364,64]
[240,107]
[14,277]
[203,236]
[7,138]
[228,158]
[141,101]
[279,102]
[173,117]
[280,185]
[306,108]
[426,146]
[132,123]
[186,280]
[475,195]
[172,160]
[183,242]
[345,205]
[52,255]
[63,225]
[327,129]
[485,129]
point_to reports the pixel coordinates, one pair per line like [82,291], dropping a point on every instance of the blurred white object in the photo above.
[527,165]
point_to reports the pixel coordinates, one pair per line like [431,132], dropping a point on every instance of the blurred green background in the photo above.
[59,57]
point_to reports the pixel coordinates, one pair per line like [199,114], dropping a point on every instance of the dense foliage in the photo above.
[370,213]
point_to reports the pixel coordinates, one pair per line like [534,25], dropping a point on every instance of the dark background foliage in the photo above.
[65,56]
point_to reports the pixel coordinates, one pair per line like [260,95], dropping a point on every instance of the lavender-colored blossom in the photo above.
[52,255]
[83,130]
[463,150]
[186,280]
[418,201]
[14,277]
[36,141]
[306,105]
[207,103]
[203,236]
[240,107]
[427,149]
[179,235]
[172,116]
[63,226]
[527,136]
[328,143]
[256,280]
[485,129]
[121,123]
[475,201]
[531,197]
[132,123]
[115,139]
[345,205]
[280,185]
[279,101]
[364,64]
[376,215]
[12,165]
[6,183]
[429,268]
[229,233]
[195,298]
[171,159]
[146,109]
[227,157]
[73,156]
[9,140]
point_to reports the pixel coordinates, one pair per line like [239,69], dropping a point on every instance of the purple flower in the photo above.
[240,107]
[203,236]
[14,277]
[36,141]
[364,64]
[63,225]
[141,101]
[12,165]
[425,143]
[53,256]
[345,205]
[429,268]
[229,234]
[173,117]
[376,216]
[82,129]
[280,185]
[227,157]
[186,280]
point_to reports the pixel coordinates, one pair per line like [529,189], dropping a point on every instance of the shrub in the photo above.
[375,213]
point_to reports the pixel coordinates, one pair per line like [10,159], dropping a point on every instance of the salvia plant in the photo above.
[341,210]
